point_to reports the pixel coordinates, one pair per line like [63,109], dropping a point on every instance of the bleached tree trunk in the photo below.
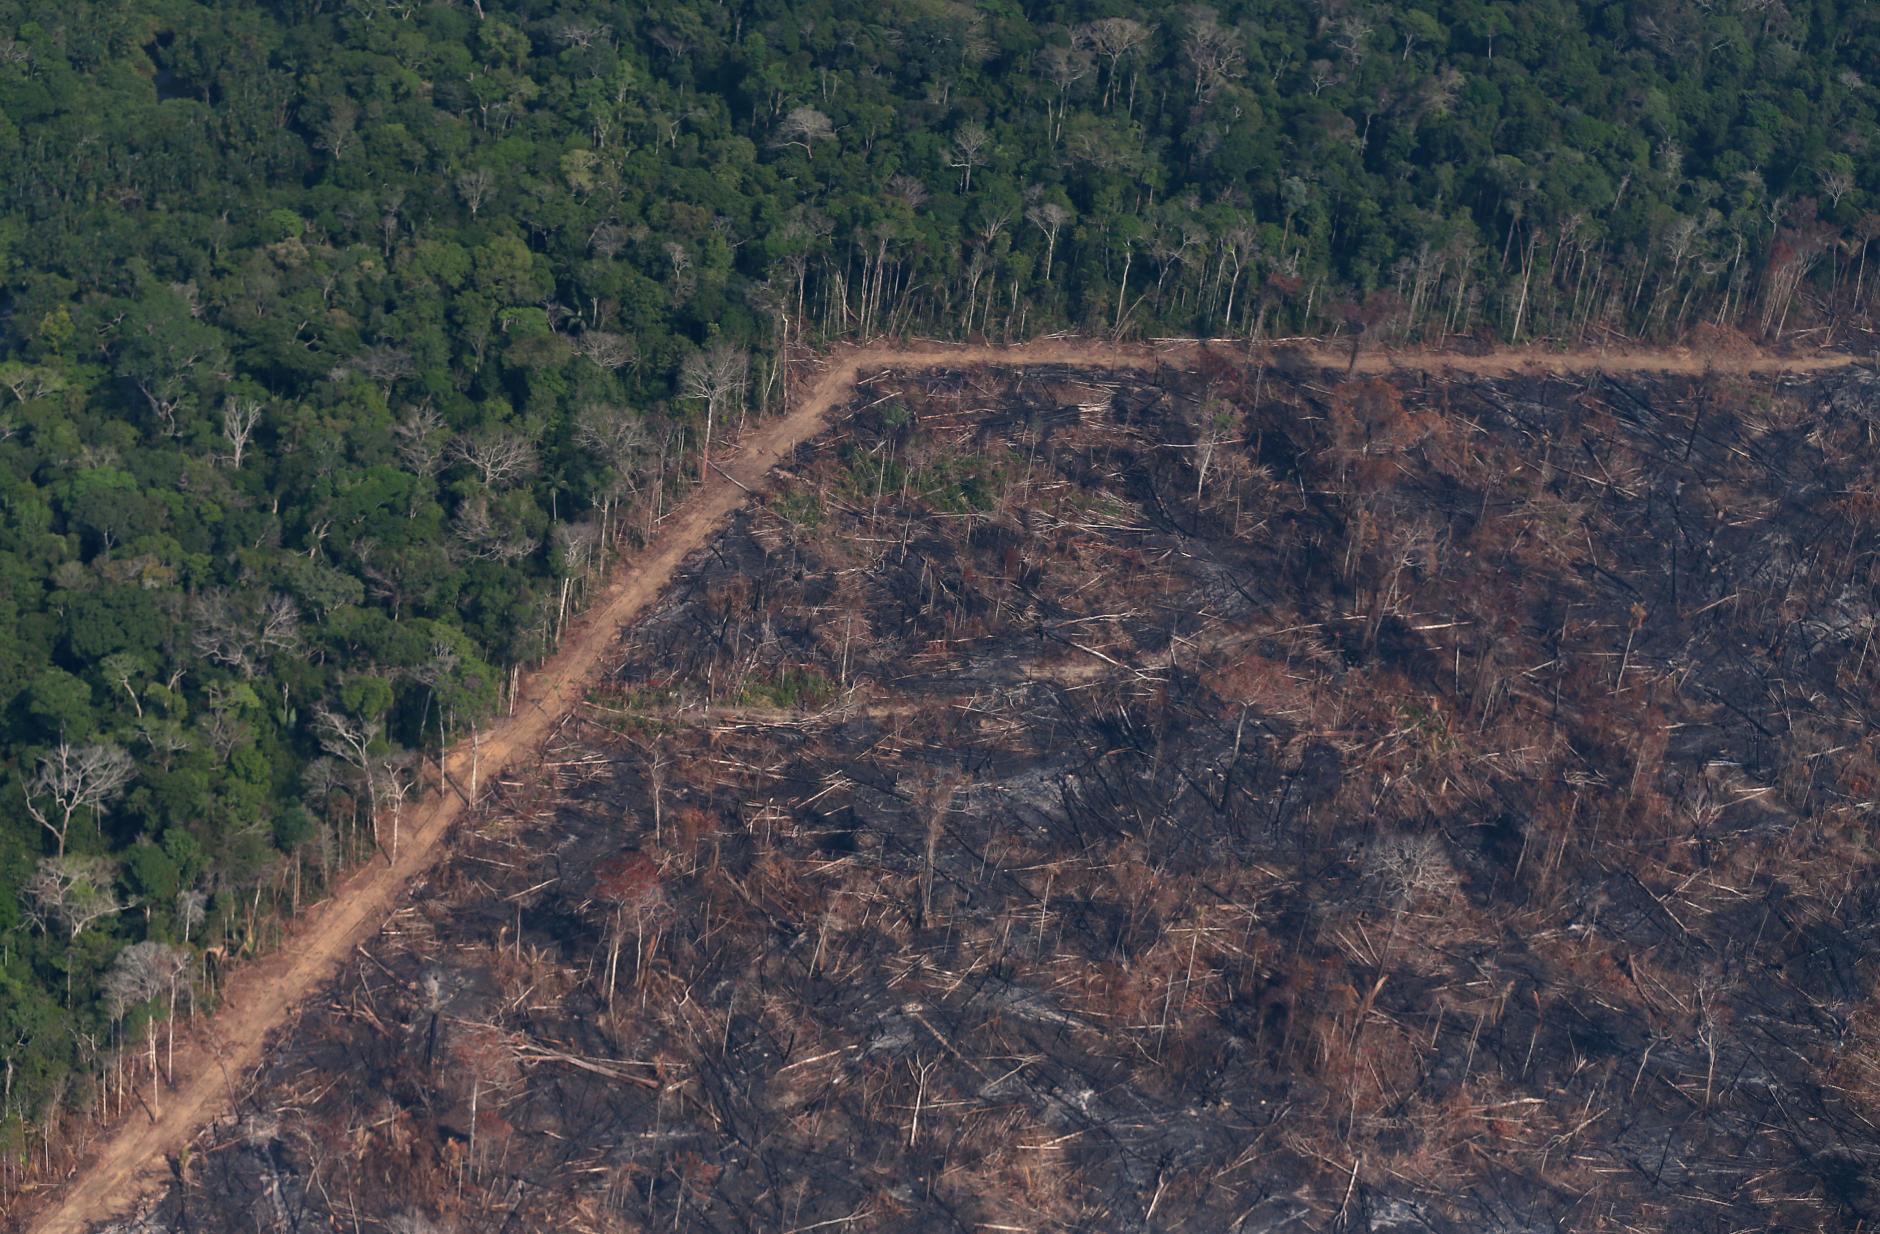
[1527,273]
[1122,287]
[613,956]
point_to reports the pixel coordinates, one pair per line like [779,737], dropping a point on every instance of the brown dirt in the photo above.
[261,997]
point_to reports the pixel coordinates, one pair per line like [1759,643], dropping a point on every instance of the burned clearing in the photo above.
[1238,799]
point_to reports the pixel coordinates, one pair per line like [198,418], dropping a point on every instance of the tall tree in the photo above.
[715,377]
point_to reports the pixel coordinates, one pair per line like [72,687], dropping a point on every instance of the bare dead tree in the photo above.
[191,909]
[228,630]
[131,982]
[1214,427]
[804,126]
[1212,51]
[1352,33]
[575,32]
[280,624]
[484,535]
[574,545]
[338,131]
[908,190]
[140,974]
[419,440]
[1407,866]
[221,632]
[71,778]
[1063,67]
[1836,183]
[1237,250]
[971,147]
[240,417]
[993,220]
[413,1220]
[72,891]
[653,753]
[618,435]
[574,551]
[121,669]
[397,776]
[167,395]
[1114,38]
[352,741]
[384,366]
[610,239]
[610,351]
[681,258]
[1049,217]
[715,377]
[474,187]
[499,458]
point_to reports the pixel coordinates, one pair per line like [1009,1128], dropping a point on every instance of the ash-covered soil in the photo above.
[1238,801]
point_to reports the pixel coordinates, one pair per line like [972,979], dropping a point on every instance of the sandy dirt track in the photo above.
[129,1163]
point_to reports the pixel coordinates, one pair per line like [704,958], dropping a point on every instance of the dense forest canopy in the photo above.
[341,342]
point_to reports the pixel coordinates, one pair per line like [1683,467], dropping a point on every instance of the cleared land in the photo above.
[1096,655]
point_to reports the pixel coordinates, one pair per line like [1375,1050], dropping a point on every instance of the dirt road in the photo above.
[129,1163]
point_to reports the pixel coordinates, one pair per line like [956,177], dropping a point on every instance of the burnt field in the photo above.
[1239,800]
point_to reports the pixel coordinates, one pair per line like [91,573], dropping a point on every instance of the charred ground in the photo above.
[1244,799]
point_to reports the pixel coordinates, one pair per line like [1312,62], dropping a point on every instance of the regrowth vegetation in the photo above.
[1280,803]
